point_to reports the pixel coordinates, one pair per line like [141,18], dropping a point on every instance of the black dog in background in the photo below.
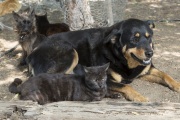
[127,45]
[46,28]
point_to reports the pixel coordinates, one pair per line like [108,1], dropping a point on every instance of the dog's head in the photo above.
[41,18]
[24,23]
[133,40]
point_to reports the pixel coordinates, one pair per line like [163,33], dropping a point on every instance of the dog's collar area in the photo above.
[143,62]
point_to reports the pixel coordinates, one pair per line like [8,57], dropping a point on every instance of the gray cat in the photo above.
[45,88]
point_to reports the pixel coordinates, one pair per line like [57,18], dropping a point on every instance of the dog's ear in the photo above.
[113,36]
[45,14]
[27,10]
[16,16]
[32,14]
[24,11]
[150,23]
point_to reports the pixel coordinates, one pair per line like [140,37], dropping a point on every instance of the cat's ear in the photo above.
[86,69]
[106,66]
[16,16]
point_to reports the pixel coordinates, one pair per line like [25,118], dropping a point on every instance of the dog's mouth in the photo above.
[146,61]
[23,35]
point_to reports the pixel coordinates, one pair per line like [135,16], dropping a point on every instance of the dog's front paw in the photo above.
[22,62]
[135,96]
[140,98]
[176,87]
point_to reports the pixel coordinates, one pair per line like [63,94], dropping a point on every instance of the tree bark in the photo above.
[79,14]
[110,14]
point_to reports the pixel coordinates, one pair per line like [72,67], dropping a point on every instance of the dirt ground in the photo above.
[166,57]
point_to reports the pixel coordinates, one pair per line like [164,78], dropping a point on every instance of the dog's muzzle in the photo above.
[146,61]
[23,35]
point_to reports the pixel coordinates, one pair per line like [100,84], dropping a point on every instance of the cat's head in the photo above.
[96,76]
[25,22]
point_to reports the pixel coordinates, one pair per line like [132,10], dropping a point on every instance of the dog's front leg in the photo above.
[23,59]
[127,91]
[160,77]
[114,85]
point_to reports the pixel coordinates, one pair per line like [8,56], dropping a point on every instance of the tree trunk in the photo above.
[110,14]
[79,14]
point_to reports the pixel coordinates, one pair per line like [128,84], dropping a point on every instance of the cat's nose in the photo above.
[100,86]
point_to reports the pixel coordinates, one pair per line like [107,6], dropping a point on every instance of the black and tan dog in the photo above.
[127,45]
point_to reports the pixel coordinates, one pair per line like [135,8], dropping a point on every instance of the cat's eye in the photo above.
[28,22]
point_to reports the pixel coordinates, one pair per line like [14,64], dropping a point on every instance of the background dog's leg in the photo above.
[160,77]
[128,92]
[23,59]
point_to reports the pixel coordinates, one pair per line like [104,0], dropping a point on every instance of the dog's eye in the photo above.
[136,40]
[24,21]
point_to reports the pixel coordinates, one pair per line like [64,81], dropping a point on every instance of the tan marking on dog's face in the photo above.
[124,49]
[117,77]
[137,35]
[139,53]
[147,34]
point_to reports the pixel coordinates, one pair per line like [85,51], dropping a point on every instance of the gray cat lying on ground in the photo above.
[45,88]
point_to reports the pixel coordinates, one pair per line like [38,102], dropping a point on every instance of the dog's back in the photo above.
[57,28]
[59,53]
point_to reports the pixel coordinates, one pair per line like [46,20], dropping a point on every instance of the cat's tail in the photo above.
[13,87]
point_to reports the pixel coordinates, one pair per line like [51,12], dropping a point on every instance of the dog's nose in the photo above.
[149,54]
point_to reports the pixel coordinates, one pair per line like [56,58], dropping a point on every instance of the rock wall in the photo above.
[99,11]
